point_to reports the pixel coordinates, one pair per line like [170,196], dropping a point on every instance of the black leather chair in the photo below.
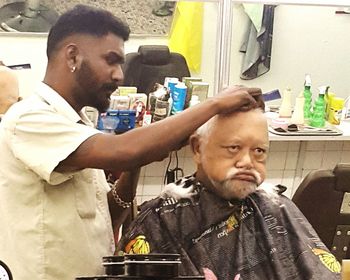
[150,65]
[324,198]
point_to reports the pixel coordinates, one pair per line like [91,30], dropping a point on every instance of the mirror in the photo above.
[306,40]
[151,17]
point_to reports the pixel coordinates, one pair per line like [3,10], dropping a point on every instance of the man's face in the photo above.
[9,89]
[231,160]
[100,70]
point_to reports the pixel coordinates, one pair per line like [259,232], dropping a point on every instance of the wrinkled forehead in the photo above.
[241,119]
[250,124]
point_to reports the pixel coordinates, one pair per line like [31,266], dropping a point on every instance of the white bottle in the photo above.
[147,118]
[286,107]
[194,100]
[298,114]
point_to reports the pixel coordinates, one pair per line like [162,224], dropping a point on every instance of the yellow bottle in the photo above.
[328,99]
[335,110]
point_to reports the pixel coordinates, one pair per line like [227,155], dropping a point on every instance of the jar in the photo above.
[102,277]
[114,265]
[158,266]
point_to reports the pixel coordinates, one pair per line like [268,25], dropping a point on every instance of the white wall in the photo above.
[23,48]
[306,39]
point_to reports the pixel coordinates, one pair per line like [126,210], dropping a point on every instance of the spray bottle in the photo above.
[308,98]
[319,110]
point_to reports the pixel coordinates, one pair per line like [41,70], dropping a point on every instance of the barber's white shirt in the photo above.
[53,225]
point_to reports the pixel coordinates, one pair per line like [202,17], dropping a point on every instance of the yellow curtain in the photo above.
[186,33]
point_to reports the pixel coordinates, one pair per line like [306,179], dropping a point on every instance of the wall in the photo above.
[21,48]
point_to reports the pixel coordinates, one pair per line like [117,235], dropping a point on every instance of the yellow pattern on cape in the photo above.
[328,260]
[139,245]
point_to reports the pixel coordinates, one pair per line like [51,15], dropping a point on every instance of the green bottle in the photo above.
[319,111]
[308,98]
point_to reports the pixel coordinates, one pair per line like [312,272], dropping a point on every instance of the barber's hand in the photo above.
[237,98]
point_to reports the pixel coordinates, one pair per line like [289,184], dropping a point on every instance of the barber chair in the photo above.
[324,199]
[150,65]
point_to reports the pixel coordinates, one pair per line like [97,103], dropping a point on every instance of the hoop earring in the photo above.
[73,69]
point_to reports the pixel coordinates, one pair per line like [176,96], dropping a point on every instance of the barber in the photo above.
[54,212]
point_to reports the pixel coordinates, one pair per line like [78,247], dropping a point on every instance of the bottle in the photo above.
[320,101]
[308,98]
[328,99]
[319,110]
[335,110]
[298,113]
[162,107]
[286,108]
[194,100]
[170,84]
[147,118]
[179,97]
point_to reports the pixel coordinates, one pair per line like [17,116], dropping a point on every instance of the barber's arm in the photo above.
[121,196]
[144,145]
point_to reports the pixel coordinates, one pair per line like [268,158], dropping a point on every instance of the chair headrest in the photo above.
[154,54]
[342,175]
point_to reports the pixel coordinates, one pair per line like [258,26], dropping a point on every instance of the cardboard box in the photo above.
[187,81]
[200,89]
[138,102]
[125,91]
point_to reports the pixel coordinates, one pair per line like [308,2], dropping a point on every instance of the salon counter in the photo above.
[344,127]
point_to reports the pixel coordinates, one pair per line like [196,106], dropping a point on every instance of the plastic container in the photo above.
[194,100]
[319,111]
[127,277]
[114,265]
[147,119]
[161,110]
[308,98]
[335,110]
[152,265]
[102,277]
[298,113]
[285,110]
[179,98]
[170,84]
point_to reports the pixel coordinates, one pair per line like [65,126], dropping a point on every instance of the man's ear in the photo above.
[72,55]
[195,142]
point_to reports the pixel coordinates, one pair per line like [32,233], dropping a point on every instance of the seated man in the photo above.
[9,89]
[222,221]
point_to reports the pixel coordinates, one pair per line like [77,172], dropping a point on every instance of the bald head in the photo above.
[9,90]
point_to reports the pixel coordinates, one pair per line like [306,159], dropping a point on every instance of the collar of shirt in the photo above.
[53,98]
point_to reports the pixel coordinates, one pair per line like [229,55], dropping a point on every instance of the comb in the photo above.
[271,95]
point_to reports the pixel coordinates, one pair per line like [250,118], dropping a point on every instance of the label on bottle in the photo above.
[160,111]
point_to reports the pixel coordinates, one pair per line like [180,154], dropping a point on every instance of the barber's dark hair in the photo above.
[84,19]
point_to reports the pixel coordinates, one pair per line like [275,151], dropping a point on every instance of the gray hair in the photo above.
[204,130]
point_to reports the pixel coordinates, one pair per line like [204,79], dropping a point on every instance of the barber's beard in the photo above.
[234,188]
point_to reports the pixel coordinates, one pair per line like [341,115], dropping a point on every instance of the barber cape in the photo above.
[262,237]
